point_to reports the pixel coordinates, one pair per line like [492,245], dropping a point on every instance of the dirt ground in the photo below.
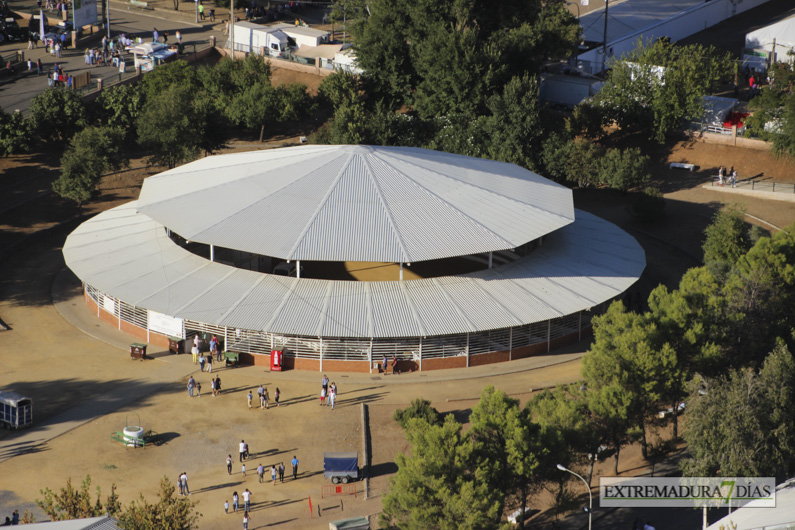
[44,356]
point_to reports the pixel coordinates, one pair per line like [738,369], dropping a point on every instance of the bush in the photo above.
[419,408]
[624,169]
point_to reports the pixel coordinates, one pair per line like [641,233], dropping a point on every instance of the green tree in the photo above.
[177,73]
[168,513]
[566,409]
[726,240]
[435,486]
[170,127]
[56,114]
[419,408]
[92,152]
[629,368]
[15,133]
[445,57]
[73,503]
[658,86]
[741,425]
[624,169]
[120,106]
[511,452]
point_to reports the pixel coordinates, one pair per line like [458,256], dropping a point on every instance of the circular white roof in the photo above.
[127,255]
[356,203]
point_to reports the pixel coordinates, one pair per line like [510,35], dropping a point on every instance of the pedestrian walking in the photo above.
[250,397]
[191,385]
[155,35]
[212,386]
[734,178]
[281,471]
[243,470]
[243,448]
[273,474]
[179,485]
[322,396]
[199,389]
[38,66]
[209,364]
[226,506]
[195,353]
[214,340]
[294,463]
[276,396]
[332,395]
[235,502]
[261,396]
[246,520]
[229,465]
[266,399]
[246,500]
[201,11]
[261,472]
[202,360]
[178,36]
[324,382]
[217,384]
[184,479]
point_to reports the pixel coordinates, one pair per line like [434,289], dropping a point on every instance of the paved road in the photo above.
[18,92]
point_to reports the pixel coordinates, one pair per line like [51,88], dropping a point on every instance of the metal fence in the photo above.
[749,184]
[414,349]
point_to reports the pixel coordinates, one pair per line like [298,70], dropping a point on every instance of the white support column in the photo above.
[401,271]
[549,335]
[226,336]
[212,252]
[510,344]
[370,355]
[298,268]
[467,350]
[491,259]
[420,354]
[579,325]
[118,308]
[321,354]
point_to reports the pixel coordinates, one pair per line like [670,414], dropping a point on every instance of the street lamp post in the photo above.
[590,497]
[578,9]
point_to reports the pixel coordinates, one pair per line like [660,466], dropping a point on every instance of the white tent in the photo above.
[783,32]
[716,109]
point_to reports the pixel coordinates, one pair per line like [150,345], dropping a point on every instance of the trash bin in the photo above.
[138,350]
[276,360]
[175,345]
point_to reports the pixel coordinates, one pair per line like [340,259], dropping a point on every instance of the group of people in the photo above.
[58,78]
[264,397]
[196,386]
[13,520]
[328,392]
[724,176]
[236,505]
[182,484]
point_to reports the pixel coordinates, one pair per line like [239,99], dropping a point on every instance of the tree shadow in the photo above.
[384,468]
[162,438]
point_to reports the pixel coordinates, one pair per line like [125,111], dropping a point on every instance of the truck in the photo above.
[341,467]
[258,39]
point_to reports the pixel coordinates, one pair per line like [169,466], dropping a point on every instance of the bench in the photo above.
[682,165]
[139,3]
[232,357]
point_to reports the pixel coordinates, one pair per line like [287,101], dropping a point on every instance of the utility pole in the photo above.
[232,28]
[604,46]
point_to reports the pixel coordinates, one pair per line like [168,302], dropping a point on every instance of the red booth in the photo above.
[277,358]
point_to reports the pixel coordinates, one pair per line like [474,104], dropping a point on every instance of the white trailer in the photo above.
[16,410]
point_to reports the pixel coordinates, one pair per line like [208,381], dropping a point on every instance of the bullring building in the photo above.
[339,255]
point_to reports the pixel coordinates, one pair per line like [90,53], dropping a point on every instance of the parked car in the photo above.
[11,30]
